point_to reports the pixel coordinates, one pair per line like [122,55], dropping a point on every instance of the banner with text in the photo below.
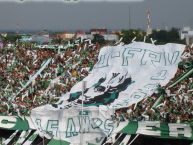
[74,125]
[157,129]
[68,130]
[125,75]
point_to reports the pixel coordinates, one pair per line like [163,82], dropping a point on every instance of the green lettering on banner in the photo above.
[13,123]
[103,61]
[150,58]
[38,123]
[108,125]
[7,122]
[171,60]
[155,128]
[71,128]
[179,130]
[52,126]
[99,139]
[138,95]
[96,123]
[85,124]
[150,87]
[160,75]
[85,112]
[129,53]
[115,54]
[150,128]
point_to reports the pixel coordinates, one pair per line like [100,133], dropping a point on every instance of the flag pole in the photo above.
[82,105]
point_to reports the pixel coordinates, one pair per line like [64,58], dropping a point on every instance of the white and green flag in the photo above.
[74,125]
[67,131]
[124,75]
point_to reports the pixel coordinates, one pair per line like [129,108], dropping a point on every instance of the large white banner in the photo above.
[122,76]
[125,75]
[74,125]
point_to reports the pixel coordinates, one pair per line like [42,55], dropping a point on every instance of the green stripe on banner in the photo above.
[164,129]
[58,142]
[131,128]
[91,144]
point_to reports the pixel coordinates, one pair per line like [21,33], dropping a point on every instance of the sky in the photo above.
[84,15]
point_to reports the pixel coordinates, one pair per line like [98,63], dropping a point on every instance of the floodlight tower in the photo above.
[149,29]
[129,17]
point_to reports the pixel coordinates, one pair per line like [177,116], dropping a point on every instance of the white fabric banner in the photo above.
[125,75]
[65,124]
[122,76]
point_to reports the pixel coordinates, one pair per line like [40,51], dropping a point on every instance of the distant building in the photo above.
[187,33]
[80,34]
[111,37]
[84,36]
[98,31]
[90,35]
[104,32]
[66,35]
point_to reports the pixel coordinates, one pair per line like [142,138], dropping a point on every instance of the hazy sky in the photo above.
[86,15]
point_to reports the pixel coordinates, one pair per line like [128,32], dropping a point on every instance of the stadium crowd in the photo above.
[69,66]
[18,66]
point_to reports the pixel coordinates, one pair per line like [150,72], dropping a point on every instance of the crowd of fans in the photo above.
[69,66]
[173,104]
[19,65]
